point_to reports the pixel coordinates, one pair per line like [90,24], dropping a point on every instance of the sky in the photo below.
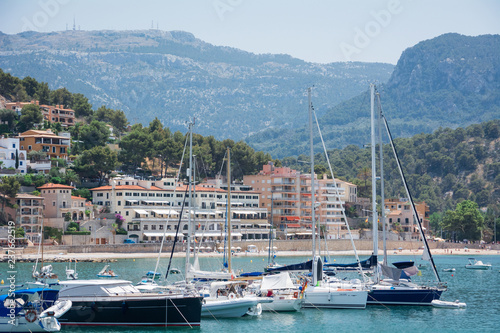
[321,31]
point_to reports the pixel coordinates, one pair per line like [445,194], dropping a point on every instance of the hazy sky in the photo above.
[317,31]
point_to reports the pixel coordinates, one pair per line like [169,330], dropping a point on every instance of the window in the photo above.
[161,226]
[53,149]
[119,203]
[118,194]
[146,227]
[153,227]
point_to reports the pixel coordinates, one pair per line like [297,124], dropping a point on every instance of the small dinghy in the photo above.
[448,269]
[449,305]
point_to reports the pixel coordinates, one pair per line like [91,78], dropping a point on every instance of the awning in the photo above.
[132,201]
[141,212]
[293,225]
[165,211]
[160,234]
[292,218]
[243,212]
[263,224]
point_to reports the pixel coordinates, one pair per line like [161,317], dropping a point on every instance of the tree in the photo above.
[43,93]
[61,97]
[20,94]
[119,122]
[30,115]
[96,162]
[8,116]
[135,146]
[9,187]
[80,104]
[466,221]
[30,85]
[92,135]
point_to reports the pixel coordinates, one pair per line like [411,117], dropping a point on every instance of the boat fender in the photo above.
[30,316]
[232,296]
[94,307]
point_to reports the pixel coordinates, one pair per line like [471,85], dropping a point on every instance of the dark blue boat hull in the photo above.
[413,297]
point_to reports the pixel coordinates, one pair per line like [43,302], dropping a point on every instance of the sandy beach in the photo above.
[107,255]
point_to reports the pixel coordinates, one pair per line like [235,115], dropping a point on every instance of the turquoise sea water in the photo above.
[479,289]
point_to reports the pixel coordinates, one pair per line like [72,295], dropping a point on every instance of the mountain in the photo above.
[449,81]
[175,76]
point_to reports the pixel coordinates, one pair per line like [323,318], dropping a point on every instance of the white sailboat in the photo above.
[320,293]
[286,296]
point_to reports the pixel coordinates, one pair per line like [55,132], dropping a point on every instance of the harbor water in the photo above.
[479,289]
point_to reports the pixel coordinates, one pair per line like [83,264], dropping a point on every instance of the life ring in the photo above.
[30,316]
[231,296]
[296,294]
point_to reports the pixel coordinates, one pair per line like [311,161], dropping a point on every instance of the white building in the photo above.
[9,148]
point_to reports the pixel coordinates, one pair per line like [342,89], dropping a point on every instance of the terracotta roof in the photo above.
[54,186]
[73,197]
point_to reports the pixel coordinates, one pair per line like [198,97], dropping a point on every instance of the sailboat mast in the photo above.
[374,178]
[228,209]
[382,194]
[190,231]
[313,222]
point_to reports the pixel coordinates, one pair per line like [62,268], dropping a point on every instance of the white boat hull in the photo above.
[333,298]
[448,305]
[283,304]
[20,324]
[227,308]
[479,267]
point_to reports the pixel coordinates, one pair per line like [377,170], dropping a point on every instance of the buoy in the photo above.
[250,261]
[451,274]
[134,259]
[2,282]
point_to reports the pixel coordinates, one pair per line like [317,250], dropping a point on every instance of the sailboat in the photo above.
[394,290]
[220,299]
[320,293]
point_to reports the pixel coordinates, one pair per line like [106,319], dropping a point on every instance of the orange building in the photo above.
[54,145]
[51,113]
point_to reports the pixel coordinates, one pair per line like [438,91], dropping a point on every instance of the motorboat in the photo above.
[228,299]
[449,305]
[71,273]
[477,264]
[106,272]
[448,269]
[32,310]
[119,303]
[286,296]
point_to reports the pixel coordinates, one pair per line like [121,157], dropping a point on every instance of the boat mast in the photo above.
[427,253]
[228,209]
[190,231]
[313,222]
[374,178]
[382,190]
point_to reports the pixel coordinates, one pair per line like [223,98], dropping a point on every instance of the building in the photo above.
[51,113]
[151,209]
[400,217]
[11,153]
[286,193]
[54,145]
[28,215]
[58,201]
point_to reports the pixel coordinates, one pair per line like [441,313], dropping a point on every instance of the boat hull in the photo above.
[396,296]
[127,311]
[227,308]
[478,267]
[283,304]
[331,298]
[22,325]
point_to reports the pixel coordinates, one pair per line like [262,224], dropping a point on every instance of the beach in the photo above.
[98,256]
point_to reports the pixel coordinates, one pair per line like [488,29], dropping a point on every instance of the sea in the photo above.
[479,289]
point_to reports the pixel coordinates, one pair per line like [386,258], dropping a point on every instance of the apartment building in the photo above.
[154,208]
[286,193]
[55,146]
[27,214]
[51,113]
[400,217]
